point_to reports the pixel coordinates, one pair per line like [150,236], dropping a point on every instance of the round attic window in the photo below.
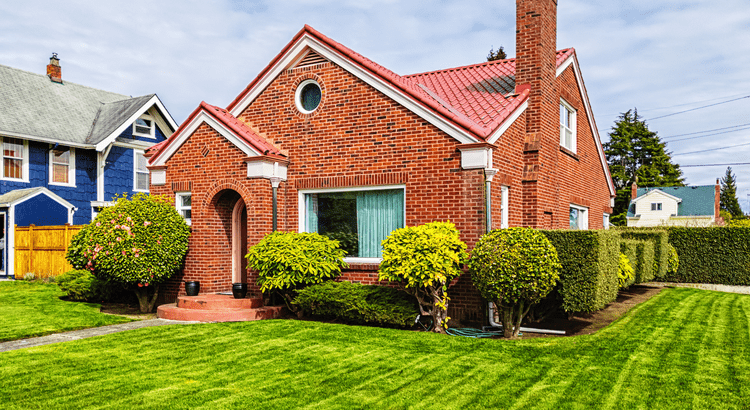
[308,96]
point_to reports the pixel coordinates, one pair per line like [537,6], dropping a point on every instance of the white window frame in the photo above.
[302,210]
[136,152]
[99,204]
[573,126]
[583,217]
[71,168]
[298,95]
[504,194]
[656,206]
[605,220]
[152,131]
[24,161]
[178,205]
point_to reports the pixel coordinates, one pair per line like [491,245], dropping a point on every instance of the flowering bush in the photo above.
[139,242]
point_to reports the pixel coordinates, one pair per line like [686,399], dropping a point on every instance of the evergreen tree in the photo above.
[635,151]
[498,54]
[728,195]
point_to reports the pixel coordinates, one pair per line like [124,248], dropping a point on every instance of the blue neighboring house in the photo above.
[68,149]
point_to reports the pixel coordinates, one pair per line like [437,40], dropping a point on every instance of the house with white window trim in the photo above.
[68,149]
[674,206]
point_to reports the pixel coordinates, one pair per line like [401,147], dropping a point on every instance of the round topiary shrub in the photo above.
[425,259]
[625,273]
[139,242]
[514,268]
[288,261]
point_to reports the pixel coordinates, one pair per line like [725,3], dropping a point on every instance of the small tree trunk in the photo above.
[439,309]
[146,302]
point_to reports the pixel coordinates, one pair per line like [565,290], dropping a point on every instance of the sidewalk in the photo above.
[705,286]
[85,333]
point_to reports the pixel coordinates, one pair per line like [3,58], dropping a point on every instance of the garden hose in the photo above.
[471,332]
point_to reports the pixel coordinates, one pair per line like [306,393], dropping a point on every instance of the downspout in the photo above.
[489,173]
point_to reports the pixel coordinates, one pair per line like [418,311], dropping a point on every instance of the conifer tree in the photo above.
[728,195]
[635,151]
[498,54]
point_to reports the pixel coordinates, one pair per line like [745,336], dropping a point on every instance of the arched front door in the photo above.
[239,242]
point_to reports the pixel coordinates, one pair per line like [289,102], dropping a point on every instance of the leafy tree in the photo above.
[633,151]
[728,195]
[514,268]
[498,54]
[139,242]
[289,261]
[425,258]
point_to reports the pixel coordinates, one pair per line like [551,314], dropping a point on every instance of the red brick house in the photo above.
[326,140]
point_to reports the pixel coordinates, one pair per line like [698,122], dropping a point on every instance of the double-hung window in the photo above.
[656,206]
[62,166]
[140,172]
[567,126]
[360,219]
[183,203]
[579,217]
[144,126]
[504,207]
[15,159]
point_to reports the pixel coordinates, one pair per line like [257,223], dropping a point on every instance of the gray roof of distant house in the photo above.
[33,106]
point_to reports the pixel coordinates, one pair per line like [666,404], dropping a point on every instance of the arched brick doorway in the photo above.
[239,242]
[228,240]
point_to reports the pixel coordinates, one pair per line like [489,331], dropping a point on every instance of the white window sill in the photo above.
[354,260]
[137,134]
[140,190]
[14,180]
[61,184]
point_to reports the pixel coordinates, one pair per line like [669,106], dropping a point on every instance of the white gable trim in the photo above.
[102,145]
[199,119]
[306,42]
[508,122]
[572,61]
[654,192]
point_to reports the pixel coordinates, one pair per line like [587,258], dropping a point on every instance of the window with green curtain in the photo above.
[359,220]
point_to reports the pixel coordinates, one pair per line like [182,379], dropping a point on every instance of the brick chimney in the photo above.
[536,44]
[54,71]
[634,190]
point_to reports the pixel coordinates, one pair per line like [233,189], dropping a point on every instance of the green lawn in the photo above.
[684,348]
[30,309]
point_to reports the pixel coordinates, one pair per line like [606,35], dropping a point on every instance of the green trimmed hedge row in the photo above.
[719,255]
[590,262]
[660,239]
[357,303]
[640,253]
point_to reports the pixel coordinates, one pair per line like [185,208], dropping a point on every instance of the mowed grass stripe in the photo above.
[638,362]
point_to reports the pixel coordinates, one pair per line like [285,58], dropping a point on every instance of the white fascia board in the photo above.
[142,145]
[508,122]
[47,192]
[102,145]
[45,139]
[572,61]
[656,192]
[192,127]
[164,112]
[375,82]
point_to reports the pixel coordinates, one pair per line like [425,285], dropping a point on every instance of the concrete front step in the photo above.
[217,308]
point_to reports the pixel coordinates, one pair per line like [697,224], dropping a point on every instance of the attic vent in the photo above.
[311,58]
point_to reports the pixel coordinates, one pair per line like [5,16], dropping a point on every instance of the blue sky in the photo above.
[661,57]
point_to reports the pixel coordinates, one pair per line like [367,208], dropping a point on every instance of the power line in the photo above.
[712,149]
[704,131]
[715,165]
[708,135]
[683,104]
[697,108]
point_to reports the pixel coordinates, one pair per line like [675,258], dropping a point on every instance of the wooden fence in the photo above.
[41,249]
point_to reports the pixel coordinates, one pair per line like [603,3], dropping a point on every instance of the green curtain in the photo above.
[311,205]
[378,214]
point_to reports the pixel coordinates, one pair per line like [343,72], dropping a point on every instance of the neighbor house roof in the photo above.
[33,107]
[20,195]
[696,200]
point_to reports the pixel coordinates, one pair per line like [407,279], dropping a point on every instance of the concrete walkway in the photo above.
[85,333]
[721,288]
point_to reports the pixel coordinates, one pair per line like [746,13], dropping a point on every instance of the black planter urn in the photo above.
[192,288]
[239,290]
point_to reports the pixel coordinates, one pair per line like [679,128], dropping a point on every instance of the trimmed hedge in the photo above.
[640,253]
[660,239]
[357,303]
[590,262]
[719,255]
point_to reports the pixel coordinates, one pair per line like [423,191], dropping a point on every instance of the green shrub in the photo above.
[590,260]
[673,262]
[625,274]
[719,255]
[139,242]
[740,223]
[425,259]
[82,285]
[289,261]
[356,303]
[660,239]
[640,253]
[514,268]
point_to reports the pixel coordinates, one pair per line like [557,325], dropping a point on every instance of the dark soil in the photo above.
[128,310]
[589,323]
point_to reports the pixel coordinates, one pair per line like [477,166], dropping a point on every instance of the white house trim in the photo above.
[654,192]
[102,145]
[306,41]
[508,122]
